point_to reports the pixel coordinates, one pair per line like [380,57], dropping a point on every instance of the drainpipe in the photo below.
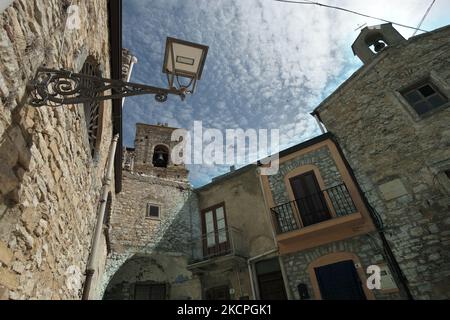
[320,124]
[391,259]
[90,269]
[274,237]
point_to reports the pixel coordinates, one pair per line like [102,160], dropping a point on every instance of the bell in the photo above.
[160,161]
[379,45]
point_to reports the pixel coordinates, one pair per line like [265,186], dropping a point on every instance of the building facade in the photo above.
[236,256]
[53,159]
[325,232]
[153,224]
[392,120]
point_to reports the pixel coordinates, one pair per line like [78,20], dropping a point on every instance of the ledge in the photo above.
[322,233]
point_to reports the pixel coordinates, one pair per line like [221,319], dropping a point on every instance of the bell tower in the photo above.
[373,40]
[152,153]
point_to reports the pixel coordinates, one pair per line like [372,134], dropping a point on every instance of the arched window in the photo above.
[92,110]
[160,156]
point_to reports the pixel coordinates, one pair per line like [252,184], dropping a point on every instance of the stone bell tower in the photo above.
[152,153]
[373,40]
[152,223]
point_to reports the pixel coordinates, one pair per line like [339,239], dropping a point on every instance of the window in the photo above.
[215,233]
[153,211]
[92,108]
[424,98]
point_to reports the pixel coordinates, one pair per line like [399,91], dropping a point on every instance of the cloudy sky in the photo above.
[269,63]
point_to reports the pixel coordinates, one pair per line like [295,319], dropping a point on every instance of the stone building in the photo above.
[392,120]
[53,159]
[324,230]
[169,241]
[153,223]
[236,256]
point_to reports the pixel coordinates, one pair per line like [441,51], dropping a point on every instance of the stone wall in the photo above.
[49,184]
[320,158]
[400,159]
[133,234]
[147,138]
[368,250]
[162,268]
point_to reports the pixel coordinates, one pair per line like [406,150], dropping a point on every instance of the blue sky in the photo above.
[269,63]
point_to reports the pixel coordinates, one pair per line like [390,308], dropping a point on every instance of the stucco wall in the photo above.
[399,159]
[49,184]
[245,208]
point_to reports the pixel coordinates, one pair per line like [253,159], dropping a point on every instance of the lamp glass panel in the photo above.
[187,59]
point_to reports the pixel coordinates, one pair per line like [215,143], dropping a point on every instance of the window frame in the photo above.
[438,85]
[148,210]
[218,245]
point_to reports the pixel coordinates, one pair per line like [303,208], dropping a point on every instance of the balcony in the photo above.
[218,247]
[330,204]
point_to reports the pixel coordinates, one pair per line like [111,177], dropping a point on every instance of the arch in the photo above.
[93,110]
[153,269]
[333,258]
[160,156]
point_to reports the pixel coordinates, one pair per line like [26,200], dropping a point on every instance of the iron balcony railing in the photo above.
[224,242]
[313,209]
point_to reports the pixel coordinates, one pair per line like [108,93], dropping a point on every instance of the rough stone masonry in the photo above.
[402,160]
[49,182]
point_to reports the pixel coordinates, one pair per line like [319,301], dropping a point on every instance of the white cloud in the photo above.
[268,66]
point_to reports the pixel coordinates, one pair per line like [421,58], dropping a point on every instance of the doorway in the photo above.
[270,280]
[218,293]
[154,291]
[340,281]
[310,199]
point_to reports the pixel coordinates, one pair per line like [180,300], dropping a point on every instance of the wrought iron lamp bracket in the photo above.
[61,87]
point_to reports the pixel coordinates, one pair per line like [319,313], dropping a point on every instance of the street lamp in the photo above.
[182,60]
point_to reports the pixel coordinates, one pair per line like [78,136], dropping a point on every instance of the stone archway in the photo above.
[151,270]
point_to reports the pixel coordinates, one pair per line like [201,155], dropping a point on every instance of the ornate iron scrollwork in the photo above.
[60,87]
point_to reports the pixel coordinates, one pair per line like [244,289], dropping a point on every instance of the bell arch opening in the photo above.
[160,156]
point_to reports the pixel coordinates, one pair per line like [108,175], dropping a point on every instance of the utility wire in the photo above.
[424,17]
[350,11]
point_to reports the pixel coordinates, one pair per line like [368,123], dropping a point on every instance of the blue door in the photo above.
[340,281]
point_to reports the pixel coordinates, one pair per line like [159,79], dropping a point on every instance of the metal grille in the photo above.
[313,209]
[92,108]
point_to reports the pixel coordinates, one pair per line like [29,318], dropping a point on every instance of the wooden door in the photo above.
[310,199]
[270,280]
